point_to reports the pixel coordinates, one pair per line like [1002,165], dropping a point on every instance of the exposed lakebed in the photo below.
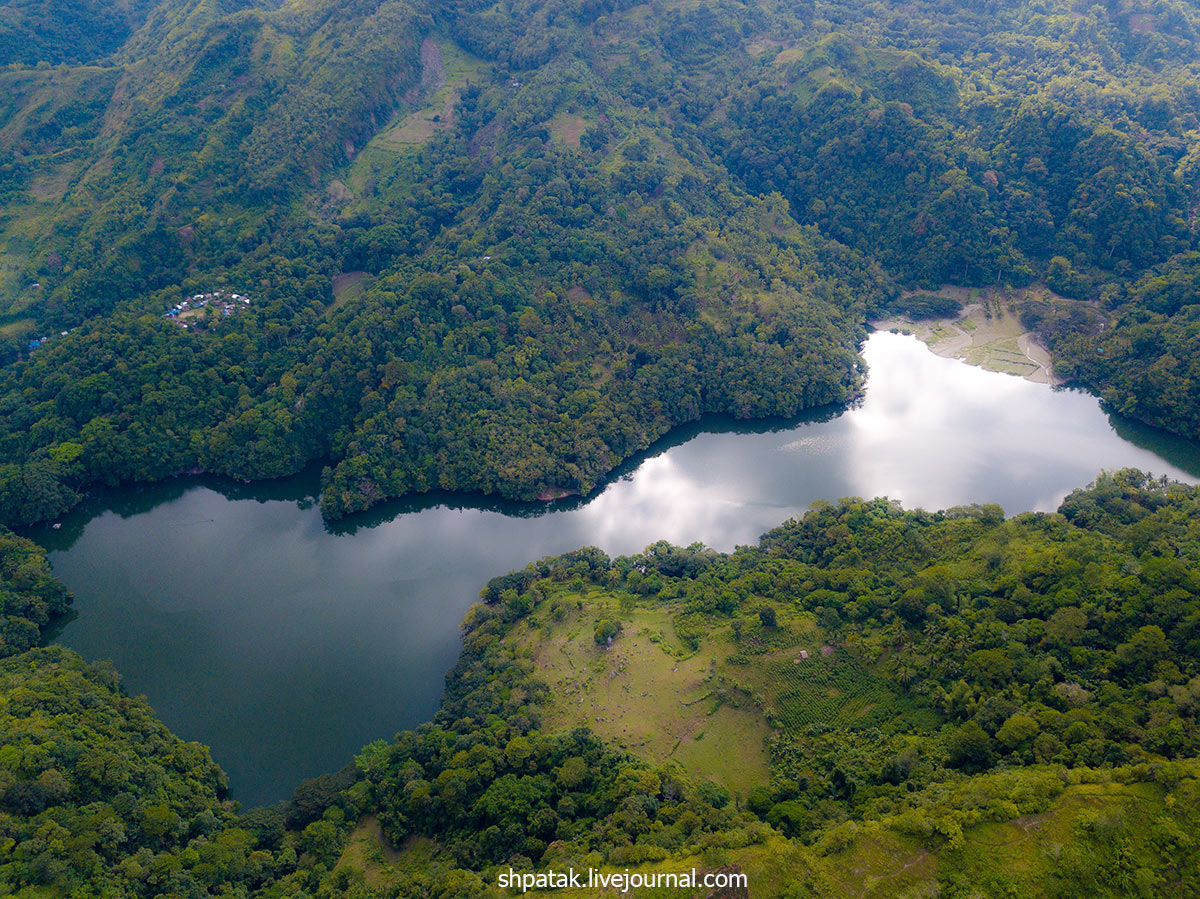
[286,644]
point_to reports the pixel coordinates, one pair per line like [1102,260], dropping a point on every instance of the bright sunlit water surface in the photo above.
[286,645]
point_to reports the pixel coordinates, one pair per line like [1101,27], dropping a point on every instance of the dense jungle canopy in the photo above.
[502,248]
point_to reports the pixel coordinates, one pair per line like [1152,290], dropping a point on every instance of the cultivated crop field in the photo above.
[833,690]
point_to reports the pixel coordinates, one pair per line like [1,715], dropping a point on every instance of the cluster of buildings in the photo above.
[36,342]
[225,303]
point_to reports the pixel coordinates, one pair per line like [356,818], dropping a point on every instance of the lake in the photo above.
[286,644]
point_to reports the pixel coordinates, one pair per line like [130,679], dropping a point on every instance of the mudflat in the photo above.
[987,333]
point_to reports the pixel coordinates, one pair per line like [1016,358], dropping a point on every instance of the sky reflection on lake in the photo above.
[286,645]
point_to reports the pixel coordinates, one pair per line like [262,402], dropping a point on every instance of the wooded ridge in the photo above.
[502,248]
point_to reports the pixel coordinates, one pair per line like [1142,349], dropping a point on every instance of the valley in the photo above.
[751,356]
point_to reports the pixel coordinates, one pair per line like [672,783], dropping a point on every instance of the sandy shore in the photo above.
[988,334]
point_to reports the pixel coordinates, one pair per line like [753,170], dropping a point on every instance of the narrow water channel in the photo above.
[286,645]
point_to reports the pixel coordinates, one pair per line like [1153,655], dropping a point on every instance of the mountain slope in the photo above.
[501,248]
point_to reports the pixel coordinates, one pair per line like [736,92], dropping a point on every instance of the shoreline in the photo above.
[991,340]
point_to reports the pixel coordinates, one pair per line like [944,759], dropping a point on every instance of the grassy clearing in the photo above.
[21,326]
[368,853]
[645,693]
[1031,845]
[711,709]
[1003,355]
[881,864]
[761,46]
[347,286]
[714,708]
[780,52]
[52,186]
[369,858]
[989,334]
[566,129]
[447,69]
[16,292]
[788,55]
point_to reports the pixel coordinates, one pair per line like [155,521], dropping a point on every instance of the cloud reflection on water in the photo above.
[285,646]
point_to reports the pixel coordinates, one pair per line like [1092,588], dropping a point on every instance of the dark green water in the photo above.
[286,646]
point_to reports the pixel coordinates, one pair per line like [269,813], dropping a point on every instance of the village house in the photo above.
[191,307]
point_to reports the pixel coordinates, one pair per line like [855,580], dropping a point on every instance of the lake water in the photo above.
[286,645]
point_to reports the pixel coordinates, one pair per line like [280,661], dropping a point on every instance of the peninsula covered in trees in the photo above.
[871,701]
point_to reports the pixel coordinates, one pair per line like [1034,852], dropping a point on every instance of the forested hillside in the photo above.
[67,31]
[31,600]
[868,702]
[502,248]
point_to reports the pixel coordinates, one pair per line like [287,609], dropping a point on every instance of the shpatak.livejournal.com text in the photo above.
[621,881]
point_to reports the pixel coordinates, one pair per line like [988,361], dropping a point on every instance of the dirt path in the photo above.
[1039,355]
[433,72]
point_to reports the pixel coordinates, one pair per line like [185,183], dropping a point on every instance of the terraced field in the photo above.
[446,69]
